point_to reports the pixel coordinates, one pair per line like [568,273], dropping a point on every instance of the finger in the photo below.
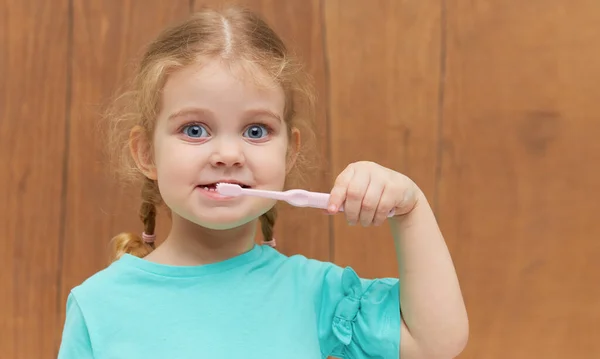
[354,196]
[338,192]
[386,204]
[370,202]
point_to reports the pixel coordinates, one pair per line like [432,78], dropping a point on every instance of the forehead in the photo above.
[217,84]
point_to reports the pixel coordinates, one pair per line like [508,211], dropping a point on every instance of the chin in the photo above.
[222,218]
[221,225]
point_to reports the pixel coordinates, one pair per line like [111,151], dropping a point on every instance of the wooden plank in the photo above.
[298,22]
[518,196]
[108,35]
[33,89]
[384,64]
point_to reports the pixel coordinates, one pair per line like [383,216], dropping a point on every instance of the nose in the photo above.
[227,153]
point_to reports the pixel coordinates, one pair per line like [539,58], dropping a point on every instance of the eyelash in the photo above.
[188,124]
[266,126]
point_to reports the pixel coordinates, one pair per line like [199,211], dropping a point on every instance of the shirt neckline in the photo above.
[130,260]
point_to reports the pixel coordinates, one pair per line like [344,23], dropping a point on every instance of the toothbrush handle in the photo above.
[299,198]
[280,196]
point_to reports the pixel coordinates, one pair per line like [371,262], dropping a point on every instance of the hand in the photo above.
[370,191]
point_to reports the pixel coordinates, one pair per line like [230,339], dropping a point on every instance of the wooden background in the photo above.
[490,105]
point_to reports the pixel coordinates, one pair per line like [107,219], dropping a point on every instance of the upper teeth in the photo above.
[210,189]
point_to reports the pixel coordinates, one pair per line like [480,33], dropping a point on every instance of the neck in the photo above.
[190,244]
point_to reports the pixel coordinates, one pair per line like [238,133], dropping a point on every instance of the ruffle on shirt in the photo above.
[367,321]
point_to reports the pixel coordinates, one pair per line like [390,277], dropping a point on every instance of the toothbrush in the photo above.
[295,197]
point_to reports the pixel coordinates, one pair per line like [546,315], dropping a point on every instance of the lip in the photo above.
[242,184]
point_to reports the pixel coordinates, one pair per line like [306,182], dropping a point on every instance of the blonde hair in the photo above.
[234,34]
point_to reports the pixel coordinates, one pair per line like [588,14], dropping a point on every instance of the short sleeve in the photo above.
[75,342]
[359,318]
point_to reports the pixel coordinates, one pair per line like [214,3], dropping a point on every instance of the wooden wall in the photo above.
[490,105]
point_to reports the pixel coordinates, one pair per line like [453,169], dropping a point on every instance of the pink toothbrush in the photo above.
[295,197]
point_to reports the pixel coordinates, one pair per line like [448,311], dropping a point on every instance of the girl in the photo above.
[219,99]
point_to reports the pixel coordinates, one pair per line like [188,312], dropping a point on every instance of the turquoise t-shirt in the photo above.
[258,305]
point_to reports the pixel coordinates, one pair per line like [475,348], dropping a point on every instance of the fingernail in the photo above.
[332,207]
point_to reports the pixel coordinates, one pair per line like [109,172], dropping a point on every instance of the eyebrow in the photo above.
[191,111]
[263,112]
[208,113]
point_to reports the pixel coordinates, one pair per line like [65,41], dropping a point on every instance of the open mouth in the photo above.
[213,186]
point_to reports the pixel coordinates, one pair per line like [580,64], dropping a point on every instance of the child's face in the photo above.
[214,126]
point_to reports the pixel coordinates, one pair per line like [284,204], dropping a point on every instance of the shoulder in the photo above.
[330,281]
[299,265]
[98,280]
[106,283]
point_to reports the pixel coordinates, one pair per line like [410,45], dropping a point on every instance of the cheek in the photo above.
[269,166]
[171,168]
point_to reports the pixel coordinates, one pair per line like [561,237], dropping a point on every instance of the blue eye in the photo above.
[256,131]
[195,131]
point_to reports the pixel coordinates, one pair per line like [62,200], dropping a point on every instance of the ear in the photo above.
[293,149]
[139,145]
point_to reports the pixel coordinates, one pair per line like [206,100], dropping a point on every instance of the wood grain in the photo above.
[519,187]
[384,66]
[33,90]
[299,230]
[108,37]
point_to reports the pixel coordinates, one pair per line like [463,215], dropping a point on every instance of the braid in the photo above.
[132,243]
[148,208]
[267,222]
